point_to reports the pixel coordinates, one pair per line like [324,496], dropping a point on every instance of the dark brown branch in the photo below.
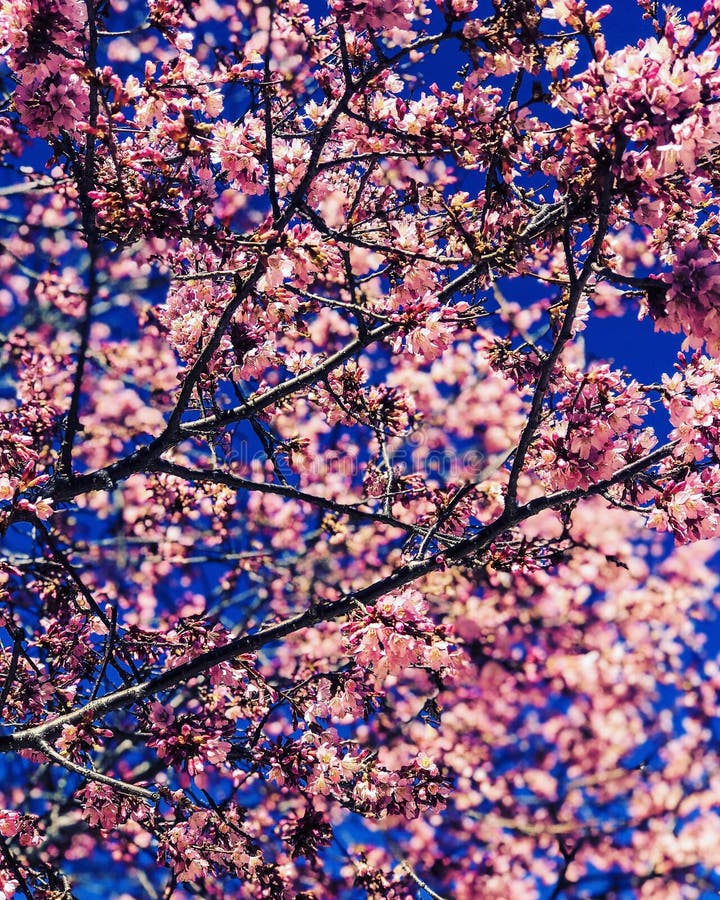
[85,177]
[267,109]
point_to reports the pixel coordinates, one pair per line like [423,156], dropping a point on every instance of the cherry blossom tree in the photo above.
[335,565]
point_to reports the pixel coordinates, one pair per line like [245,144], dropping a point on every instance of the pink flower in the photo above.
[52,96]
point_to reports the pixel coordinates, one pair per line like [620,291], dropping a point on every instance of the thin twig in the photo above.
[107,656]
[284,490]
[132,789]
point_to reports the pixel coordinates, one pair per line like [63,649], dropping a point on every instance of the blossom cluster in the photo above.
[598,430]
[397,633]
[43,43]
[691,300]
[688,503]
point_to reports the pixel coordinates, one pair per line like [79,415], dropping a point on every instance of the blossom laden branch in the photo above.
[317,613]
